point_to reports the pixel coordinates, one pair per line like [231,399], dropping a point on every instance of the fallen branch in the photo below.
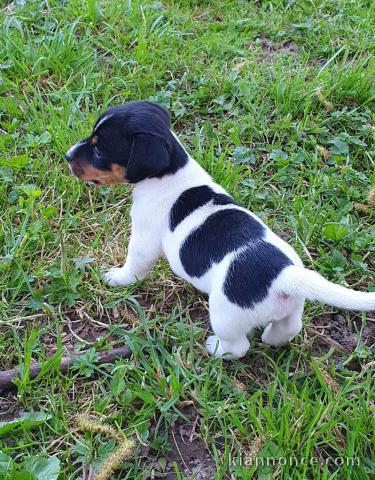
[7,377]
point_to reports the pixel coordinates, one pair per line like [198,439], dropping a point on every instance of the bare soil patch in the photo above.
[9,407]
[338,332]
[270,49]
[187,451]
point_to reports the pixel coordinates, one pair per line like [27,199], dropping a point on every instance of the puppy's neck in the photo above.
[179,155]
[168,187]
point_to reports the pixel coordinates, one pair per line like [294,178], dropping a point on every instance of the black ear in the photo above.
[149,157]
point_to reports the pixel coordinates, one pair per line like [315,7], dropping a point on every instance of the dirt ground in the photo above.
[187,451]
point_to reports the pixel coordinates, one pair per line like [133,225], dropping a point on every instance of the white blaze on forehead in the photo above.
[71,149]
[106,117]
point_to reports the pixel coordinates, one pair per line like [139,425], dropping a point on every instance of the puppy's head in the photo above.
[128,144]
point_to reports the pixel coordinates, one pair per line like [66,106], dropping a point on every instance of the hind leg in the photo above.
[282,331]
[228,323]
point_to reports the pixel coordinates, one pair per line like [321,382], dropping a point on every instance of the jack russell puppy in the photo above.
[252,277]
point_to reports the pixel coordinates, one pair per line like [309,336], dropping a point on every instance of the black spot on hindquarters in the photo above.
[193,198]
[221,233]
[251,274]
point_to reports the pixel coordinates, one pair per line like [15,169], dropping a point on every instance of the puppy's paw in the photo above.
[117,277]
[270,337]
[213,346]
[226,350]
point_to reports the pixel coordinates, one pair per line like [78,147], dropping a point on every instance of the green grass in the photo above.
[275,99]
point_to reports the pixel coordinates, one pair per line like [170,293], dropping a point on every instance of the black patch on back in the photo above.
[251,274]
[221,233]
[193,198]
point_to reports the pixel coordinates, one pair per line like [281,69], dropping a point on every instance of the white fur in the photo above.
[73,148]
[104,119]
[281,311]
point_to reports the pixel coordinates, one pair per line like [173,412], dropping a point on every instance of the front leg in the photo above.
[143,251]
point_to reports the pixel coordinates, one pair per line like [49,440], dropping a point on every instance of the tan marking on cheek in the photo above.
[94,140]
[117,174]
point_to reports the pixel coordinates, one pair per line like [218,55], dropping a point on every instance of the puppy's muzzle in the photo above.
[74,166]
[76,169]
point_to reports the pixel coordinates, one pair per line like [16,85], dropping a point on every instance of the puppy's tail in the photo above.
[299,281]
